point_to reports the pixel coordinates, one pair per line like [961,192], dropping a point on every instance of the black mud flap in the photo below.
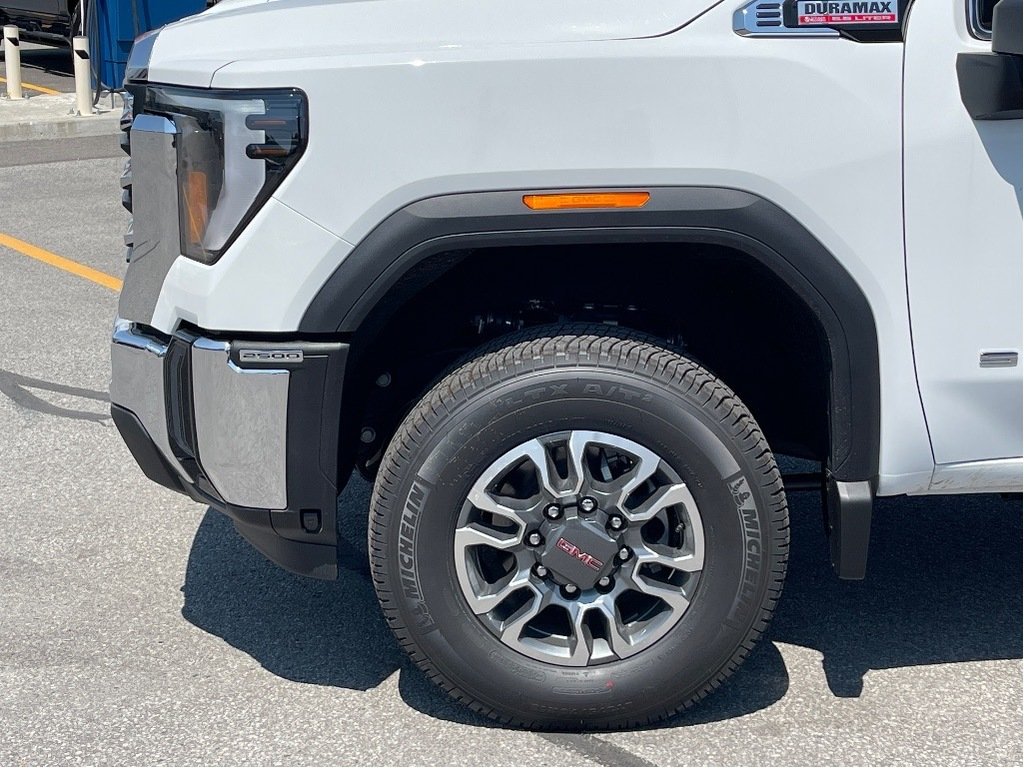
[848,526]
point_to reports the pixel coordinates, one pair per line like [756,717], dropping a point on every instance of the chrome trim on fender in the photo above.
[974,23]
[241,418]
[763,18]
[154,199]
[153,124]
[138,60]
[1000,359]
[126,334]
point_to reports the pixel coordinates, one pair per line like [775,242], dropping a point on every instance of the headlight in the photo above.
[234,148]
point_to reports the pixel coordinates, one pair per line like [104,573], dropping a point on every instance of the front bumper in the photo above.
[249,427]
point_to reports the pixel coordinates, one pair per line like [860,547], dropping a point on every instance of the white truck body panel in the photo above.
[467,98]
[963,185]
[304,29]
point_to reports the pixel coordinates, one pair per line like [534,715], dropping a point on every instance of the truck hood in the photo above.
[190,51]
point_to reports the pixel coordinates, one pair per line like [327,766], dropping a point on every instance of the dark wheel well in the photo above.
[723,307]
[423,241]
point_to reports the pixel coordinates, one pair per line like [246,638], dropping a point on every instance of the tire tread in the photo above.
[559,346]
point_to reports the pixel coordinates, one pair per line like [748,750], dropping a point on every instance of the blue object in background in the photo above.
[112,26]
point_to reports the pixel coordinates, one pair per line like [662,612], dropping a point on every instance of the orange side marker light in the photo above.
[197,206]
[556,201]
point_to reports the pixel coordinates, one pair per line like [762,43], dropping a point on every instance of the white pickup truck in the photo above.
[561,276]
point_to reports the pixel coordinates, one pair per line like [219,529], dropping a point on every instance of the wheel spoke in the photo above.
[617,637]
[488,601]
[535,451]
[482,500]
[667,496]
[581,643]
[578,474]
[647,463]
[513,626]
[619,641]
[671,596]
[689,563]
[474,535]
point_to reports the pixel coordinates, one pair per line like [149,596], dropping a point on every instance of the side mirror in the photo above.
[990,83]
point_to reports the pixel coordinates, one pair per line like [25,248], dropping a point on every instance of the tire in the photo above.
[598,400]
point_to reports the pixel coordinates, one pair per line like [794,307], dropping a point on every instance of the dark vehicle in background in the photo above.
[56,21]
[110,25]
[49,20]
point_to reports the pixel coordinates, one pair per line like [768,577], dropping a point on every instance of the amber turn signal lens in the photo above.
[586,200]
[197,205]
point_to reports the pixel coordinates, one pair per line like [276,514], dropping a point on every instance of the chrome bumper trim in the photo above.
[137,383]
[241,427]
[241,415]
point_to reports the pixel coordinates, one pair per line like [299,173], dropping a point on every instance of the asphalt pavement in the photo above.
[136,627]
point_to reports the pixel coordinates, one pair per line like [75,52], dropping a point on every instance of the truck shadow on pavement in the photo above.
[944,586]
[21,389]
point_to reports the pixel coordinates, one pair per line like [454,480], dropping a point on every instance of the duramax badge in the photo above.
[867,20]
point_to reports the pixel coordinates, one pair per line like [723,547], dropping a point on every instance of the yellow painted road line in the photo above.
[35,252]
[40,88]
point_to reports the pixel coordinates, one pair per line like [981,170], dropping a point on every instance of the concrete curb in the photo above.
[49,117]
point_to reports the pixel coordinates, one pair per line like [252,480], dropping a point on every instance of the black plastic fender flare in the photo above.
[728,217]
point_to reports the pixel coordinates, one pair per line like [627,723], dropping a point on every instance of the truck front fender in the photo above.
[740,220]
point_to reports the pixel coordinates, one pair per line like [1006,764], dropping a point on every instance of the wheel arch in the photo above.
[736,219]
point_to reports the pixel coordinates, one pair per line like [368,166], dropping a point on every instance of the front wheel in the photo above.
[580,529]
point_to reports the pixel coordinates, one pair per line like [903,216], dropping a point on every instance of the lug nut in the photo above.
[553,512]
[604,582]
[540,571]
[588,504]
[625,553]
[571,589]
[616,522]
[534,539]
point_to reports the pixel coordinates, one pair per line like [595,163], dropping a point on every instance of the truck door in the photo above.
[962,205]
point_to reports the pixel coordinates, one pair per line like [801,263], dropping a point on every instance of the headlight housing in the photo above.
[233,148]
